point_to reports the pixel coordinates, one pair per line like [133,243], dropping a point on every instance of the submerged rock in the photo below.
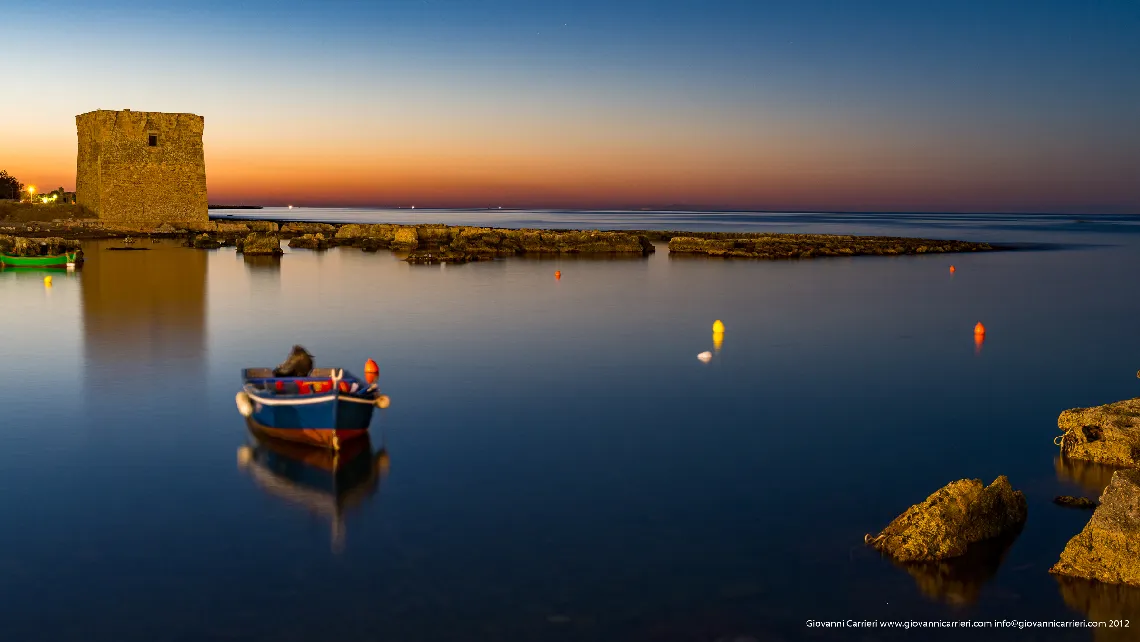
[1108,549]
[1108,434]
[1074,502]
[946,523]
[260,243]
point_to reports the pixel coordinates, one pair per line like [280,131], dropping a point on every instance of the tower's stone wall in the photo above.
[141,167]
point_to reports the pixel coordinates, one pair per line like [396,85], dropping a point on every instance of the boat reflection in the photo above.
[327,483]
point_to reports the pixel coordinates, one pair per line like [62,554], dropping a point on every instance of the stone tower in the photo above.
[139,167]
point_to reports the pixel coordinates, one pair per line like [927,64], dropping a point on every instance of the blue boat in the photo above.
[326,408]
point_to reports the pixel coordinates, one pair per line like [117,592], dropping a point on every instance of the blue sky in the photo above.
[995,106]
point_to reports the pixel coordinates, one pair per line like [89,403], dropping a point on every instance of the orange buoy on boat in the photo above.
[558,274]
[370,366]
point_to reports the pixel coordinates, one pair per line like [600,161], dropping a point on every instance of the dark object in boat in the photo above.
[1074,502]
[299,363]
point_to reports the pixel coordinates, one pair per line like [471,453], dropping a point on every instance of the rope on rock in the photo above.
[1059,440]
[867,539]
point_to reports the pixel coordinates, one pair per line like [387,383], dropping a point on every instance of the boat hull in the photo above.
[327,422]
[62,260]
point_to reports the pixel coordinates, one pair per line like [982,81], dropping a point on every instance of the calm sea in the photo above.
[557,464]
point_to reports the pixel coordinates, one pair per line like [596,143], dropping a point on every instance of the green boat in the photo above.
[60,260]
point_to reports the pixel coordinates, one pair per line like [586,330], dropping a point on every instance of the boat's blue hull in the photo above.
[342,415]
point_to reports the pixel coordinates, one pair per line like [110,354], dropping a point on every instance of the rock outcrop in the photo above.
[289,230]
[943,526]
[806,246]
[260,244]
[1108,434]
[1069,501]
[1108,549]
[50,246]
[206,242]
[310,242]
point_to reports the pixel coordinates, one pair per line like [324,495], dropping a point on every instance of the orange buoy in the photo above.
[558,274]
[370,366]
[979,329]
[951,269]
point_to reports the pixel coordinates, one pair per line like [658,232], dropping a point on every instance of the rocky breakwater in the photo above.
[806,246]
[955,540]
[1108,434]
[444,244]
[46,246]
[1108,549]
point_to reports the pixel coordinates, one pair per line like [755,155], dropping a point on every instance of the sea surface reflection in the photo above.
[567,468]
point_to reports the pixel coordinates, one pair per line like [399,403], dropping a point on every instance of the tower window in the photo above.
[152,140]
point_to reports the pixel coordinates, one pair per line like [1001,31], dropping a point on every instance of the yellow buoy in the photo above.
[718,326]
[718,340]
[47,281]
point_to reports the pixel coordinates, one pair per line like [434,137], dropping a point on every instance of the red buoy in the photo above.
[370,366]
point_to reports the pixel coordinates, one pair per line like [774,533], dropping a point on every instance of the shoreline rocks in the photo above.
[1108,548]
[943,526]
[1069,501]
[260,244]
[1108,434]
[432,243]
[806,246]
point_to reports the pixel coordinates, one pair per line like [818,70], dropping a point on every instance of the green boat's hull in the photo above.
[60,260]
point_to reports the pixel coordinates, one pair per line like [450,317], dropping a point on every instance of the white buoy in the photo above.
[705,356]
[244,404]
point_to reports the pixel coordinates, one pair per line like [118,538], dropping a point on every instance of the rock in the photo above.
[946,523]
[310,242]
[1074,502]
[1108,549]
[205,242]
[262,226]
[259,243]
[229,228]
[51,246]
[405,238]
[804,246]
[308,229]
[1108,434]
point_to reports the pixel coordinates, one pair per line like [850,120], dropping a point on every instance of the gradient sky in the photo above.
[796,105]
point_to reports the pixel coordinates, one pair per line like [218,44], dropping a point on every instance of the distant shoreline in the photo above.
[235,207]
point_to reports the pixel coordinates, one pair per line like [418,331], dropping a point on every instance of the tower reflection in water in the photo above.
[329,484]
